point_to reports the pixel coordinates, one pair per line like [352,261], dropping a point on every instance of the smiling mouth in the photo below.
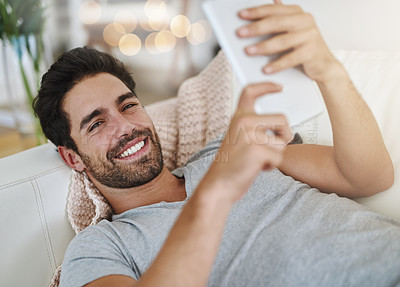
[132,150]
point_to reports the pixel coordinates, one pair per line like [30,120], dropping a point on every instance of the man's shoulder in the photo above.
[100,238]
[90,250]
[100,233]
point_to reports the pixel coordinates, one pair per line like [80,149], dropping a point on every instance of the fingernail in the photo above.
[276,85]
[268,70]
[244,13]
[251,50]
[243,32]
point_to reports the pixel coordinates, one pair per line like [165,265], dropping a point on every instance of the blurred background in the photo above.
[161,42]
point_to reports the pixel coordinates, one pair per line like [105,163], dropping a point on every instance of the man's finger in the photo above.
[276,125]
[279,43]
[253,91]
[255,13]
[275,142]
[289,60]
[276,24]
[278,2]
[263,129]
[272,158]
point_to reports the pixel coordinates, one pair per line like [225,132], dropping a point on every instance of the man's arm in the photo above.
[358,164]
[189,252]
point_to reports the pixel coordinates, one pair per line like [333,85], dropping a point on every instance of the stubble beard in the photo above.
[116,173]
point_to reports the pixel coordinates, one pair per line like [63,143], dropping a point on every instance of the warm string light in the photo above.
[197,34]
[130,44]
[180,26]
[164,31]
[89,12]
[165,41]
[112,33]
[150,43]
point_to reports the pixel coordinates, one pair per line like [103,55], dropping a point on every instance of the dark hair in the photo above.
[69,69]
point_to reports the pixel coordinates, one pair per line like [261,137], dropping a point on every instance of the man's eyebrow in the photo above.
[123,97]
[90,116]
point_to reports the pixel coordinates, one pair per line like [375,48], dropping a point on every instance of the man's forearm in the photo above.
[359,150]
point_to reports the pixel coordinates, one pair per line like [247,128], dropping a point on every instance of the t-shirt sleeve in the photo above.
[91,255]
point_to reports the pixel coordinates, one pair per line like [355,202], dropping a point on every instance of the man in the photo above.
[238,222]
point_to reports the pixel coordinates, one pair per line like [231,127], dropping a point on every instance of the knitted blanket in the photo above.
[200,112]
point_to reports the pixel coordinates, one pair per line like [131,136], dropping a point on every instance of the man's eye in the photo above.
[95,125]
[128,106]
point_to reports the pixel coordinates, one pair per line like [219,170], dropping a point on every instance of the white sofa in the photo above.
[35,231]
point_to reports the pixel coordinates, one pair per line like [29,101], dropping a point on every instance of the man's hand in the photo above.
[253,143]
[295,33]
[358,164]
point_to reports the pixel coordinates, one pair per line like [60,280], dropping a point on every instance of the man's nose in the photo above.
[122,126]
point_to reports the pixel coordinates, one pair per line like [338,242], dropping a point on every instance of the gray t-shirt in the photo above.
[281,233]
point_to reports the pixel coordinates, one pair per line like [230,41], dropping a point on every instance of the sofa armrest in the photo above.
[34,224]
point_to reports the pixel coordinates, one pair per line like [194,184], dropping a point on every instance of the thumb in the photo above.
[251,92]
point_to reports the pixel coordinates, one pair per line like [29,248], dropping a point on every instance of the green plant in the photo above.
[21,24]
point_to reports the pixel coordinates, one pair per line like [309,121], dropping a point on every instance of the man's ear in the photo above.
[71,158]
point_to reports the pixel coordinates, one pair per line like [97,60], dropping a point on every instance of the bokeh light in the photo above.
[180,26]
[207,27]
[150,43]
[158,25]
[89,12]
[146,26]
[165,41]
[126,19]
[112,33]
[130,44]
[155,10]
[119,33]
[197,34]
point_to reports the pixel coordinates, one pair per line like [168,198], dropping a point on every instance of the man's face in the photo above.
[116,139]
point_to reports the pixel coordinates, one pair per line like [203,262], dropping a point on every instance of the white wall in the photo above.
[356,24]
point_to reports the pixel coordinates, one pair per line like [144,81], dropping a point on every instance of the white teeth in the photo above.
[132,150]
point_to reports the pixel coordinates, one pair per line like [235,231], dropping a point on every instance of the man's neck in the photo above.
[165,187]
